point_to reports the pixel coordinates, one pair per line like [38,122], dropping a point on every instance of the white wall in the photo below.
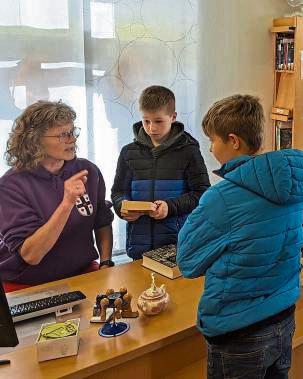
[236,53]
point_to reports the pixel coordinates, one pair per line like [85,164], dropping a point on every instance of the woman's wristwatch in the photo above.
[108,263]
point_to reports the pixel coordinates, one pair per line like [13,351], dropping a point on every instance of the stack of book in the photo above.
[163,261]
[285,48]
[283,135]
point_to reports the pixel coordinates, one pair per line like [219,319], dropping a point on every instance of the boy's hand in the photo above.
[161,211]
[131,215]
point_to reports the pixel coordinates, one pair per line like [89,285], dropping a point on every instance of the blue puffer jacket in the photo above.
[245,237]
[173,171]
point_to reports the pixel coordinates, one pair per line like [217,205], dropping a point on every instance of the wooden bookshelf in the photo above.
[287,111]
[286,71]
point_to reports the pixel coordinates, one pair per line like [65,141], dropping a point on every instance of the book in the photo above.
[162,261]
[285,51]
[284,135]
[130,205]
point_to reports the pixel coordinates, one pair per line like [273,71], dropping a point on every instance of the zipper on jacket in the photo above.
[153,199]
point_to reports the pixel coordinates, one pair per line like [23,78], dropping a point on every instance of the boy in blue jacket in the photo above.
[163,165]
[245,236]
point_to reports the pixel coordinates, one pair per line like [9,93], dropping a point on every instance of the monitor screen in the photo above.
[8,336]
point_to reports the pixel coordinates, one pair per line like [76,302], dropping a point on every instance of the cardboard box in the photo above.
[139,206]
[57,347]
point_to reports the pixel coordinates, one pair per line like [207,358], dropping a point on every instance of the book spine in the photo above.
[277,137]
[285,53]
[279,60]
[291,54]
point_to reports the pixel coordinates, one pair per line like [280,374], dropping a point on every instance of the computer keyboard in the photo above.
[60,304]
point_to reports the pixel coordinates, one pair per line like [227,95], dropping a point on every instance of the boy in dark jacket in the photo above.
[245,237]
[163,165]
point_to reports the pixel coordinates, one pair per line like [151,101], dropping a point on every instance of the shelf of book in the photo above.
[287,111]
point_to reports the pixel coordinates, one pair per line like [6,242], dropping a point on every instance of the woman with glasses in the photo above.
[51,202]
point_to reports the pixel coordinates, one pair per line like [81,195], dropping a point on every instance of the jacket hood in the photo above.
[178,136]
[276,176]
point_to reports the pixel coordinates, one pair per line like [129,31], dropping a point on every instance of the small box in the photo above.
[53,348]
[139,206]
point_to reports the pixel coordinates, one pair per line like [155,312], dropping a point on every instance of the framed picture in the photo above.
[283,135]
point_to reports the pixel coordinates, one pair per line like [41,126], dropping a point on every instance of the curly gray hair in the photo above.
[24,149]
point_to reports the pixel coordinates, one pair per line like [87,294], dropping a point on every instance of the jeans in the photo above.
[262,354]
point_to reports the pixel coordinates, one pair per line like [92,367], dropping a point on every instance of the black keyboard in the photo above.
[58,303]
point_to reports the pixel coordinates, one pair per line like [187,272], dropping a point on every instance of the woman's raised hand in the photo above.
[74,187]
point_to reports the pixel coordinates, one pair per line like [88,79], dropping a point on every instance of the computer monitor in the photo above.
[8,335]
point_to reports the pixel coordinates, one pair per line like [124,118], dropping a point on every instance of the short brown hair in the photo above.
[242,115]
[24,150]
[154,98]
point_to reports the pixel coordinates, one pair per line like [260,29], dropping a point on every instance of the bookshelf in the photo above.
[287,110]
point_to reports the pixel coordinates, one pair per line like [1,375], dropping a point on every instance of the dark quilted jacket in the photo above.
[174,172]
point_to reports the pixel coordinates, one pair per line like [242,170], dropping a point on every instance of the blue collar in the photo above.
[231,165]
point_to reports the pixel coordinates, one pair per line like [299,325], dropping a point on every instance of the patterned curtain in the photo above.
[98,56]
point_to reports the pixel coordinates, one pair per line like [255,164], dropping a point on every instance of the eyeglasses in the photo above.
[65,136]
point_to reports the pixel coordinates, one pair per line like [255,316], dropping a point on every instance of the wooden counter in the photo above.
[164,346]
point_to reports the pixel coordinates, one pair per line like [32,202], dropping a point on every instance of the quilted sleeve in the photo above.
[204,236]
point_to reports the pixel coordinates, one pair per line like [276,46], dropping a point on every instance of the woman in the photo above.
[46,223]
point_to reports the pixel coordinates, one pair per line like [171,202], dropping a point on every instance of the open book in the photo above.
[163,261]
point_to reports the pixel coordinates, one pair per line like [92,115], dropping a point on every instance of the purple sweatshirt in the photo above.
[27,201]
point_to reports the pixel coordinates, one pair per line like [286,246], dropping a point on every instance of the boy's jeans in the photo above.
[263,354]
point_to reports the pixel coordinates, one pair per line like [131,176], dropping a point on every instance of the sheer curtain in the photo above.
[97,56]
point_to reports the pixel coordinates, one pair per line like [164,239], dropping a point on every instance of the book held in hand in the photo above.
[139,206]
[162,261]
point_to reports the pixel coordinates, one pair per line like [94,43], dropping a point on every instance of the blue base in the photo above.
[114,329]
